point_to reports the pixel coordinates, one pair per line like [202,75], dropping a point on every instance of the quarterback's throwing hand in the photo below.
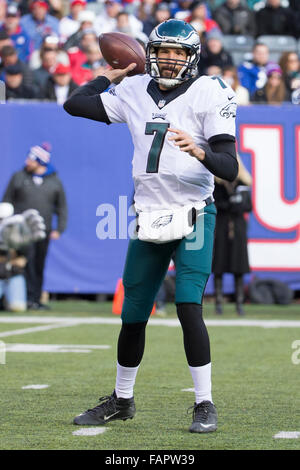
[186,144]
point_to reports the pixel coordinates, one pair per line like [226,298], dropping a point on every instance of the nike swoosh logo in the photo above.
[110,416]
[230,98]
[206,425]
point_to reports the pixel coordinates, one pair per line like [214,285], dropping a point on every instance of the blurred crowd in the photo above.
[48,48]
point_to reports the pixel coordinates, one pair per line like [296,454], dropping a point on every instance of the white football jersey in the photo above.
[163,175]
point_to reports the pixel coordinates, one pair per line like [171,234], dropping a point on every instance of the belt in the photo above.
[209,200]
[194,212]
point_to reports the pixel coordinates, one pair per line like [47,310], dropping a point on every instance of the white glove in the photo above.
[20,230]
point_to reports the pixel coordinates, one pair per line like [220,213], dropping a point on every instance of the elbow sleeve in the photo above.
[221,159]
[90,107]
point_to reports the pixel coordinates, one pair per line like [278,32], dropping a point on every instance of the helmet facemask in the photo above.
[188,67]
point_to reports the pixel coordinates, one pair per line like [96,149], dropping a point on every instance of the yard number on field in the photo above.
[296,354]
[2,352]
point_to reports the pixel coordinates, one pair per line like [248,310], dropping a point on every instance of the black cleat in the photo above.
[205,417]
[37,306]
[112,408]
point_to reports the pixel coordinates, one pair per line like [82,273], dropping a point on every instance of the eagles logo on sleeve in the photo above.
[229,110]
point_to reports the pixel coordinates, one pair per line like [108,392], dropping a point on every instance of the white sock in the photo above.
[125,381]
[202,382]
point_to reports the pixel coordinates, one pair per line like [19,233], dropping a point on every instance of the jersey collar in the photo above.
[162,98]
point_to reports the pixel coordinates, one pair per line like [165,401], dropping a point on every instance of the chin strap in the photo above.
[168,82]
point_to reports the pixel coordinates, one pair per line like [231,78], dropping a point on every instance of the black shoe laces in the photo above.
[103,406]
[200,411]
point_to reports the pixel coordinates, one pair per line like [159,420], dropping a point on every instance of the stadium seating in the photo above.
[240,47]
[278,45]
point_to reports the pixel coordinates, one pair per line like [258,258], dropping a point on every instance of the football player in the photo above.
[183,130]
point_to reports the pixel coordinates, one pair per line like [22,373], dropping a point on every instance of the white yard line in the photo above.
[89,431]
[25,331]
[256,323]
[35,387]
[82,320]
[287,435]
[54,348]
[61,322]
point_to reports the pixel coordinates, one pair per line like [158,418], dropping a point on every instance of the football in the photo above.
[119,50]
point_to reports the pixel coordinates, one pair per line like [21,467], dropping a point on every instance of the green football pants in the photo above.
[147,264]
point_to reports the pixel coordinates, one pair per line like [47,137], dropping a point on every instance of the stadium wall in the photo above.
[94,163]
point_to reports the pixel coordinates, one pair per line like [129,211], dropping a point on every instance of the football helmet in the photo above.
[176,34]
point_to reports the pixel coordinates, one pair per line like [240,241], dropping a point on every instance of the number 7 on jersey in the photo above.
[159,129]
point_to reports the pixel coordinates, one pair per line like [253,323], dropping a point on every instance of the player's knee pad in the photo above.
[133,328]
[136,310]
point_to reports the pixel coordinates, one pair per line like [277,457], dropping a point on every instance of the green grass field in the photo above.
[255,383]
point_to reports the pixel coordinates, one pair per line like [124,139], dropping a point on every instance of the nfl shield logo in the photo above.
[161,103]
